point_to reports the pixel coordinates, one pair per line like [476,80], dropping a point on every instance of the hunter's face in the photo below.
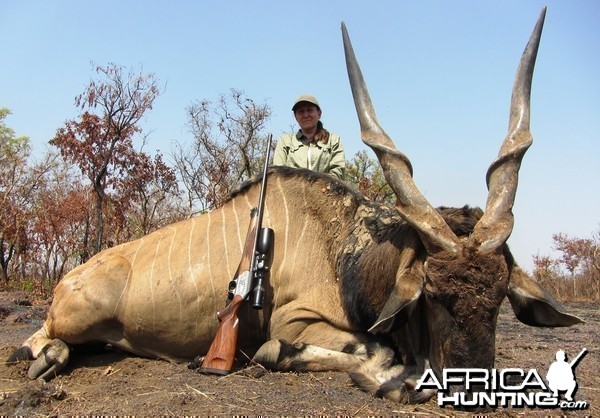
[307,115]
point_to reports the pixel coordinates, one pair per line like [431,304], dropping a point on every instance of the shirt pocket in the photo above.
[325,151]
[296,156]
[294,148]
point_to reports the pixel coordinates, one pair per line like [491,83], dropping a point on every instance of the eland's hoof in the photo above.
[50,362]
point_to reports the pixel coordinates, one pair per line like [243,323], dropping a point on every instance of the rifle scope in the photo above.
[264,255]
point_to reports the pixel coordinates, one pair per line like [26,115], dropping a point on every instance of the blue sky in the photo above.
[440,74]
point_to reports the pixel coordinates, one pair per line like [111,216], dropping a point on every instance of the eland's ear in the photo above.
[534,305]
[402,301]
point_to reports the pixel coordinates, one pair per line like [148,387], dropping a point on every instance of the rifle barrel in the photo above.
[261,201]
[576,359]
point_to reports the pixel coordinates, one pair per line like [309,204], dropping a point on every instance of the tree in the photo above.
[547,273]
[101,144]
[576,270]
[19,180]
[577,257]
[575,251]
[61,225]
[145,192]
[367,176]
[229,143]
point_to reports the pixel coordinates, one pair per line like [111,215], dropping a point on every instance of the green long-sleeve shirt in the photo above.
[294,150]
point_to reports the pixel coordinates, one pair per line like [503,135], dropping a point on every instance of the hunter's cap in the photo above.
[308,98]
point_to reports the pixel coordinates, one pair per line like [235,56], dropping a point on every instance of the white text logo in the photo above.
[511,387]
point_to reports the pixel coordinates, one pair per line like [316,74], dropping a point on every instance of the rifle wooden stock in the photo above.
[221,354]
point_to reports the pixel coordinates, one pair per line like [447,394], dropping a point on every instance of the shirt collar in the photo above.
[300,136]
[304,139]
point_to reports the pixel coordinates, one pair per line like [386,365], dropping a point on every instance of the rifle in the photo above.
[574,362]
[248,279]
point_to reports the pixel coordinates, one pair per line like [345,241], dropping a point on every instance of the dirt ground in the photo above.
[115,383]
